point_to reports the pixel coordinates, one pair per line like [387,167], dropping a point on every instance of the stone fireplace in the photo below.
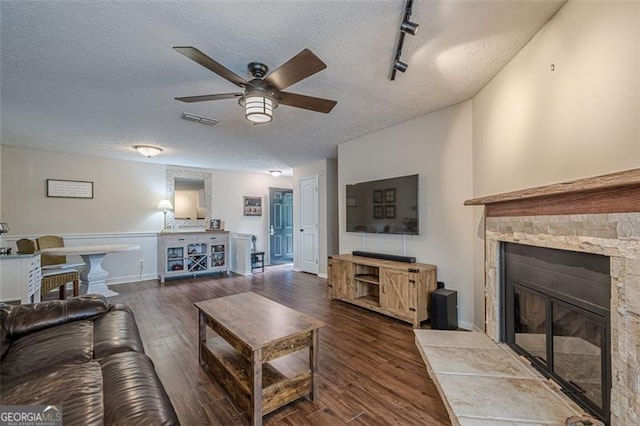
[595,215]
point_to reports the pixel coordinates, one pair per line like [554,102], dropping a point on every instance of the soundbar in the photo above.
[384,256]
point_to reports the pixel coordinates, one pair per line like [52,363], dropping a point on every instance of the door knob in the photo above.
[271,230]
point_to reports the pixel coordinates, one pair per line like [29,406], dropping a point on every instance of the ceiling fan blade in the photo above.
[199,57]
[203,98]
[301,66]
[306,102]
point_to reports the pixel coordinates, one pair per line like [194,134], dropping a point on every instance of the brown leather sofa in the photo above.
[84,354]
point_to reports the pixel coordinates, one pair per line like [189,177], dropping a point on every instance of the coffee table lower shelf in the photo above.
[233,371]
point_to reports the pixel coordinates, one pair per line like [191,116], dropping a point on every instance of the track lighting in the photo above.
[406,27]
[398,65]
[409,27]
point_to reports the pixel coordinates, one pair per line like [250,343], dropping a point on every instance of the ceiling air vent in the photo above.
[199,119]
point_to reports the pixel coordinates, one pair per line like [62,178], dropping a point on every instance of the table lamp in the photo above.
[165,205]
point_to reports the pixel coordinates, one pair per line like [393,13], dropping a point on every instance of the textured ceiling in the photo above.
[96,78]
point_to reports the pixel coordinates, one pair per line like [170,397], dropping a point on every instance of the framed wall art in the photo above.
[377,196]
[390,195]
[60,188]
[390,212]
[378,212]
[252,206]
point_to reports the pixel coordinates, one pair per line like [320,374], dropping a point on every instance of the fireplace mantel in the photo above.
[612,193]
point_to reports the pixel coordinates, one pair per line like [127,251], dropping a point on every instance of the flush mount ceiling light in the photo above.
[407,27]
[275,173]
[148,150]
[264,91]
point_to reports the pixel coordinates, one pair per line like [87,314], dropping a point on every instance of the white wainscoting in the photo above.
[240,253]
[123,267]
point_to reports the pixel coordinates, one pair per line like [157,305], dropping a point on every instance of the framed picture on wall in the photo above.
[390,211]
[377,196]
[378,212]
[252,206]
[390,195]
[61,188]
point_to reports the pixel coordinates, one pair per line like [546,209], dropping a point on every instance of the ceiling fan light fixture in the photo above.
[409,27]
[275,173]
[400,66]
[258,109]
[148,150]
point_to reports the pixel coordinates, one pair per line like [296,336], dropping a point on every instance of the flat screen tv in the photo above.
[386,206]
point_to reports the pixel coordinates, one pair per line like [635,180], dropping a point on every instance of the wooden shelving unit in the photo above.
[396,289]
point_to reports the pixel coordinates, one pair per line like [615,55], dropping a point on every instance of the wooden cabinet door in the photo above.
[333,278]
[396,293]
[340,279]
[346,281]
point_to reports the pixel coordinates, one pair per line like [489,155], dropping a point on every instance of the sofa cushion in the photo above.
[133,393]
[38,353]
[115,332]
[25,319]
[77,387]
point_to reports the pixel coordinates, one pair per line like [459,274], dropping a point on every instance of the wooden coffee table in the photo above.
[253,351]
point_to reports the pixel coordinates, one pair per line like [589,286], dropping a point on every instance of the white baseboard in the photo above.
[131,279]
[325,276]
[241,272]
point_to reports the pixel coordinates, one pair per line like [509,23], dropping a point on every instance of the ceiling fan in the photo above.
[263,94]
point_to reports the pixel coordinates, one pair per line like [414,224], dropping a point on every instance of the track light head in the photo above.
[409,27]
[398,65]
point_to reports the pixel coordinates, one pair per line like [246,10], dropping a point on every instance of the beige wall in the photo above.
[437,146]
[228,190]
[126,194]
[533,126]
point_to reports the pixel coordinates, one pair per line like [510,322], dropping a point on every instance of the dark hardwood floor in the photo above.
[370,369]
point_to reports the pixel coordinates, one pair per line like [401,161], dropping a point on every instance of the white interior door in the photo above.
[309,224]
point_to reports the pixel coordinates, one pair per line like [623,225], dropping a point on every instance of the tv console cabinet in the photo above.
[397,289]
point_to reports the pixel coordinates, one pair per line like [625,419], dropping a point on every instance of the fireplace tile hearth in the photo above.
[494,362]
[484,383]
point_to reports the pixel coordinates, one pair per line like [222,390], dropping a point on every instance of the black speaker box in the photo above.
[384,256]
[444,309]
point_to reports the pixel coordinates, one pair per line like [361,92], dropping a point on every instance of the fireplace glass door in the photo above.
[578,344]
[556,314]
[530,328]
